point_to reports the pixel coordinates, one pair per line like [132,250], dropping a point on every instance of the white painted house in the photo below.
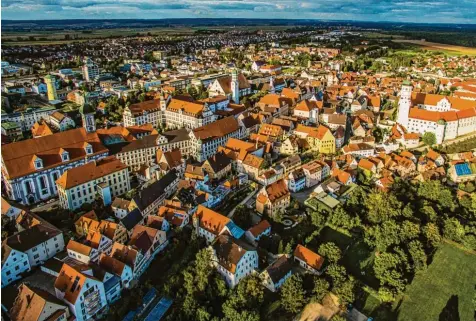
[234,259]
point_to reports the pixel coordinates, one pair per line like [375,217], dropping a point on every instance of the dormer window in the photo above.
[64,155]
[88,148]
[38,163]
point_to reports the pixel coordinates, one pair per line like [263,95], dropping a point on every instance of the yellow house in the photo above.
[320,138]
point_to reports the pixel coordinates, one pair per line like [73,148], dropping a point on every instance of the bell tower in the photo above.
[87,115]
[404,103]
[235,88]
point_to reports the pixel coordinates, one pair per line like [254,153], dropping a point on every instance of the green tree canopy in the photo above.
[330,251]
[292,294]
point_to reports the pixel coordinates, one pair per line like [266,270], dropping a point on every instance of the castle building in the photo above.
[445,116]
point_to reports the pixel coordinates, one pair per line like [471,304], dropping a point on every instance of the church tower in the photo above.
[235,87]
[87,115]
[51,87]
[404,103]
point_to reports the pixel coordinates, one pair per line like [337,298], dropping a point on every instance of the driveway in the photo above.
[303,195]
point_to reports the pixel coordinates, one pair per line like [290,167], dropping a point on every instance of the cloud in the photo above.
[448,11]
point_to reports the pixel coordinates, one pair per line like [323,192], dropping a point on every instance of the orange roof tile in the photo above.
[18,156]
[211,220]
[312,259]
[90,171]
[70,282]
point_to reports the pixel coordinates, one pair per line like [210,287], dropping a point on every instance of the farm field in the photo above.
[447,286]
[434,46]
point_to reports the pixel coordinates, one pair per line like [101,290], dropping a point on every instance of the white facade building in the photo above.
[107,177]
[234,259]
[446,117]
[27,249]
[29,178]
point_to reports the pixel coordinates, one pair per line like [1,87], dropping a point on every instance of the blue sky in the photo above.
[439,11]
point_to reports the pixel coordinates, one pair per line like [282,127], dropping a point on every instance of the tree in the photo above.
[429,138]
[409,231]
[244,302]
[243,217]
[292,294]
[386,294]
[202,268]
[321,288]
[330,251]
[432,234]
[345,291]
[318,219]
[382,236]
[415,248]
[453,230]
[337,274]
[385,268]
[339,218]
[381,206]
[378,134]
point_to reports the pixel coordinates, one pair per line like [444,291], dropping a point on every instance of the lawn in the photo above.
[448,284]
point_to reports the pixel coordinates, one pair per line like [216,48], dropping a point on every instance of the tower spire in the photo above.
[235,88]
[404,103]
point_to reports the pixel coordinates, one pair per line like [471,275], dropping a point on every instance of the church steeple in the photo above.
[404,103]
[87,115]
[235,86]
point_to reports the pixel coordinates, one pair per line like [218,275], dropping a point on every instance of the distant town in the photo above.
[238,173]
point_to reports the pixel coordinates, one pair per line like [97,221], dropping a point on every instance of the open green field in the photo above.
[434,46]
[448,283]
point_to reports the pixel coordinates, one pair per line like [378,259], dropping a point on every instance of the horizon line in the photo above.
[243,18]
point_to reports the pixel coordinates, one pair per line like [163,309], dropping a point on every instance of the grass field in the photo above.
[434,46]
[450,280]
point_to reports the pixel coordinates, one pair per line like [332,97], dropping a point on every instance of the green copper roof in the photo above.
[86,109]
[407,83]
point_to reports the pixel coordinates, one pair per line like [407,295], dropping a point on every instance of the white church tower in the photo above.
[235,87]
[404,103]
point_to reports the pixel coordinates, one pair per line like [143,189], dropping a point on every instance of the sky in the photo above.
[426,11]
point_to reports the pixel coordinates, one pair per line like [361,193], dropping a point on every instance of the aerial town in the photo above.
[287,174]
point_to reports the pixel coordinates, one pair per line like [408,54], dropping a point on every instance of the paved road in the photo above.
[46,207]
[303,195]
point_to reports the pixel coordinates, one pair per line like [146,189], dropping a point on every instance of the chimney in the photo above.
[28,299]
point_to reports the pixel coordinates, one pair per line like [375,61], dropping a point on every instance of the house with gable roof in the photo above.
[233,258]
[309,260]
[83,293]
[273,198]
[34,304]
[210,224]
